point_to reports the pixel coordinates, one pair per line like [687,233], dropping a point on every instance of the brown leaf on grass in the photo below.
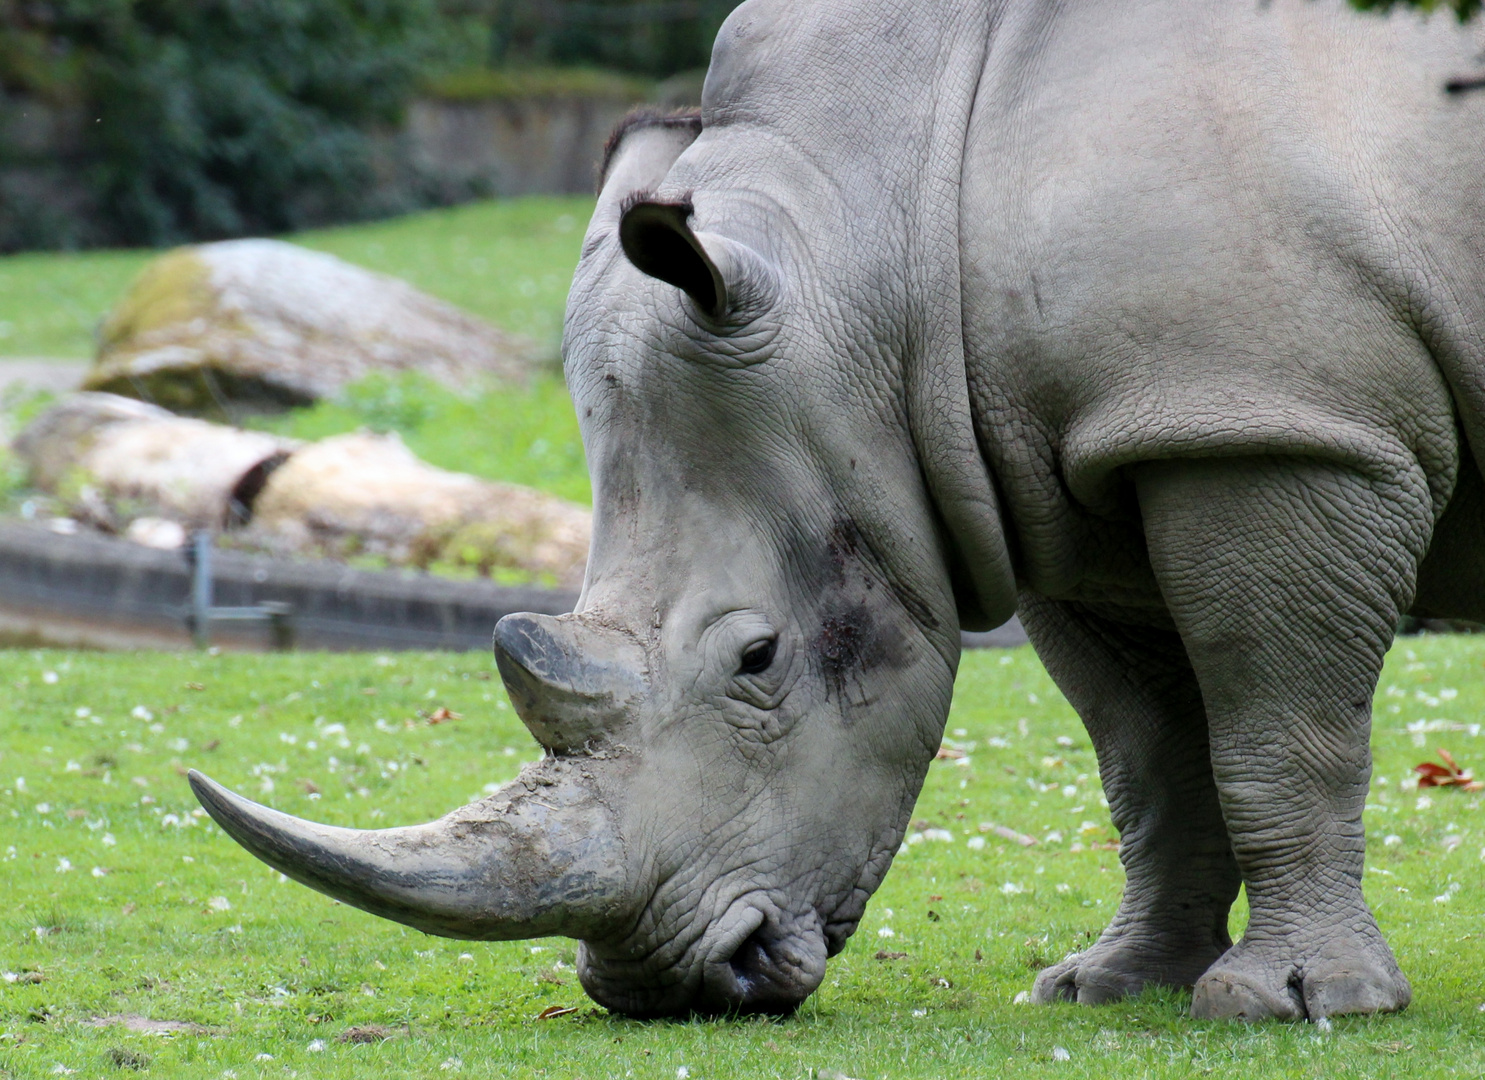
[370,1033]
[1449,774]
[1006,833]
[75,813]
[551,1012]
[883,954]
[948,753]
[442,713]
[308,786]
[195,686]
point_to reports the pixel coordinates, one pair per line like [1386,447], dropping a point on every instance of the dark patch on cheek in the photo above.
[850,642]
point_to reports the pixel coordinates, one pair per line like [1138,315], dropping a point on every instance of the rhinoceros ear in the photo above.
[657,238]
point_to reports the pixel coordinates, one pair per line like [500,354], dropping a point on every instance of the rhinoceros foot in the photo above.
[1123,963]
[1303,977]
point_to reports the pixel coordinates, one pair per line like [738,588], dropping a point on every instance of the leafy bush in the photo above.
[214,118]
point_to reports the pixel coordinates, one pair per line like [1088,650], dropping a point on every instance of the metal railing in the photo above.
[201,612]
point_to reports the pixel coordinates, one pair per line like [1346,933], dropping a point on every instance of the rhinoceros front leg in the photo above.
[1136,693]
[1285,579]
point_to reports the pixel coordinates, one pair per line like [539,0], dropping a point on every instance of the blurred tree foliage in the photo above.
[210,118]
[648,37]
[1464,9]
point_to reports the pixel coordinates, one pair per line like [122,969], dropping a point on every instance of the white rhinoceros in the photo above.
[1163,321]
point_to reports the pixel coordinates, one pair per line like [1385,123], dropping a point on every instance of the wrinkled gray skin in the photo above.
[1163,321]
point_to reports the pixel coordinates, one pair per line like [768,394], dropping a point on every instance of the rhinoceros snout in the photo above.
[571,683]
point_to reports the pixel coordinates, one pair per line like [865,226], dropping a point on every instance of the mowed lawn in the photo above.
[122,905]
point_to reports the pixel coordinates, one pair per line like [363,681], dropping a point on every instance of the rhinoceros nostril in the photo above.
[772,970]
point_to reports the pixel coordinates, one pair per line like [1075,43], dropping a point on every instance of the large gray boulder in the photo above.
[243,324]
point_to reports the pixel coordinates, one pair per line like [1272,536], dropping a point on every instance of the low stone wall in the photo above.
[512,146]
[94,591]
[97,592]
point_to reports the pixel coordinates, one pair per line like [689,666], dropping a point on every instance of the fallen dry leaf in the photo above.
[308,786]
[369,1033]
[195,686]
[948,753]
[551,1012]
[442,713]
[883,954]
[1008,834]
[1449,774]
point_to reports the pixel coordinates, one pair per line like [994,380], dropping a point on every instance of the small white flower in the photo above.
[10,977]
[466,957]
[139,712]
[83,713]
[920,1013]
[263,1057]
[1054,837]
[915,838]
[73,766]
[1069,791]
[1063,887]
[64,864]
[43,808]
[316,1046]
[886,932]
[98,871]
[975,843]
[1323,1025]
[59,1069]
[169,820]
[450,1063]
[219,903]
[1022,998]
[943,836]
[1059,1053]
[1391,840]
[50,678]
[1010,888]
[108,840]
[1423,803]
[1064,740]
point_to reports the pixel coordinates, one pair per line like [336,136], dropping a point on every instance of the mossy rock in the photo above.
[248,325]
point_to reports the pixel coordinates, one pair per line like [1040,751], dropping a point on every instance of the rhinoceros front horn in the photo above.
[572,683]
[541,856]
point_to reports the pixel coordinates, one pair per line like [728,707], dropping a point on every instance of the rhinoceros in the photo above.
[1162,323]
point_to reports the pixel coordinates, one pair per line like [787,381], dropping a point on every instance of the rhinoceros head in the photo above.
[741,710]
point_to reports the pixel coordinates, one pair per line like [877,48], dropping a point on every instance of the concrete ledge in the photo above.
[90,590]
[94,591]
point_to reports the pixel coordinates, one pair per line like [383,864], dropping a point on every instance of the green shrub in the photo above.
[215,118]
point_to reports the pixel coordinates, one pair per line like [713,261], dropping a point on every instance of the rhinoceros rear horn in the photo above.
[657,238]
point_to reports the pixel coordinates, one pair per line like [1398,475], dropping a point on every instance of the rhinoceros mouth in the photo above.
[764,961]
[753,958]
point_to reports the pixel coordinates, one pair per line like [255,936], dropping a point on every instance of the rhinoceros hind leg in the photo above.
[1127,674]
[1285,579]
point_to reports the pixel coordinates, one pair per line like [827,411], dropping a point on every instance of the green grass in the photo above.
[508,261]
[185,926]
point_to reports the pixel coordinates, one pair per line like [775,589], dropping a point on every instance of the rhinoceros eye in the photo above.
[758,656]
